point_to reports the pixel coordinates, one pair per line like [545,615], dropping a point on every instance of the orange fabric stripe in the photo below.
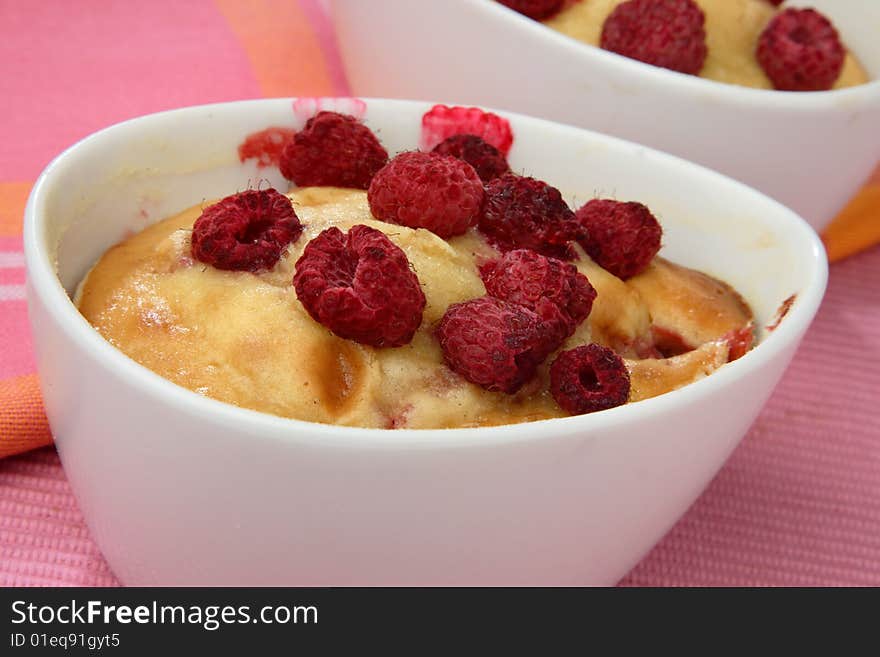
[13,197]
[280,45]
[857,227]
[23,423]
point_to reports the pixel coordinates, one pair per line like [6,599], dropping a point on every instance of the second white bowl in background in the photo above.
[811,151]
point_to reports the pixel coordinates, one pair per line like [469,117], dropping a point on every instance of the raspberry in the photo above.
[441,122]
[486,160]
[535,9]
[800,50]
[667,33]
[246,231]
[589,378]
[493,343]
[333,150]
[522,212]
[556,290]
[360,286]
[621,237]
[427,190]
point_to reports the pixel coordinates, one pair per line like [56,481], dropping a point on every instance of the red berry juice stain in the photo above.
[265,146]
[740,341]
[669,343]
[442,121]
[781,312]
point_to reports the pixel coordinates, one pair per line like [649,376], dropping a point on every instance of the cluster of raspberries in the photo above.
[464,181]
[799,49]
[533,304]
[362,286]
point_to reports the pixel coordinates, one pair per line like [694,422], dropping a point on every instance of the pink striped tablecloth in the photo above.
[798,503]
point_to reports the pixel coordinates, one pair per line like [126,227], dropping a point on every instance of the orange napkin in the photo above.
[23,424]
[857,227]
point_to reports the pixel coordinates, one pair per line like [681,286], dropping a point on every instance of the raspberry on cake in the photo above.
[427,190]
[666,33]
[800,50]
[360,286]
[534,9]
[493,343]
[486,160]
[621,237]
[554,289]
[589,378]
[442,121]
[333,150]
[527,213]
[246,231]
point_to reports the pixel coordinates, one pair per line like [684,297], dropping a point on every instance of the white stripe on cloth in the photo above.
[11,260]
[11,292]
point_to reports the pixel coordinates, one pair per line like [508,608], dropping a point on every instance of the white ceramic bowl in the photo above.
[180,489]
[811,151]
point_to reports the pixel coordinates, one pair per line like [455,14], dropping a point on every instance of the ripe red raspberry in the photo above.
[360,286]
[534,9]
[556,290]
[589,378]
[800,50]
[667,33]
[246,231]
[621,237]
[427,190]
[486,160]
[522,212]
[333,150]
[441,122]
[495,344]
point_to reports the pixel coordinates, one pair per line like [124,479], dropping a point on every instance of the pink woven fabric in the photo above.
[797,504]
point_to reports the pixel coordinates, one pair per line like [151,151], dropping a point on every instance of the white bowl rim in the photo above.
[731,93]
[43,282]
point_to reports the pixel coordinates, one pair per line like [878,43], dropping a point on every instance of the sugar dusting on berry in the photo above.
[442,121]
[265,146]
